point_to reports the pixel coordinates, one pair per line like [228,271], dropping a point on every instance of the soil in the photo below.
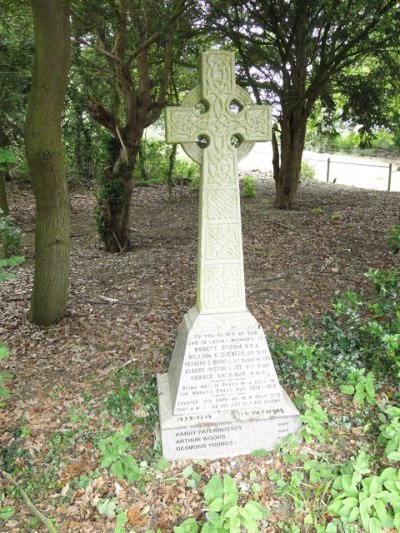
[124,309]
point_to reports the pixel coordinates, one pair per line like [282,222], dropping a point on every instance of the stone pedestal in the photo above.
[221,395]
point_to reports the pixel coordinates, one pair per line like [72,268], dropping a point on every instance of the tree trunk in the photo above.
[45,160]
[3,196]
[287,174]
[115,195]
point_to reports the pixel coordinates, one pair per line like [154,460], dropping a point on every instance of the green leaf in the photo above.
[381,511]
[397,521]
[187,471]
[388,473]
[365,507]
[130,463]
[6,512]
[256,510]
[259,453]
[230,490]
[4,351]
[213,490]
[247,520]
[122,519]
[107,507]
[117,469]
[394,456]
[107,460]
[126,431]
[216,505]
[188,526]
[335,506]
[347,389]
[376,485]
[374,526]
[354,514]
[162,464]
[234,524]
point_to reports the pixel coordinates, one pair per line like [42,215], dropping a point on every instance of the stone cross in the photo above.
[221,395]
[223,118]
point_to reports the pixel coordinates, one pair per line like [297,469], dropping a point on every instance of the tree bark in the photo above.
[44,154]
[287,170]
[3,196]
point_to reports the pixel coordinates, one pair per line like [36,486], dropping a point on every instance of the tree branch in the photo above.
[40,516]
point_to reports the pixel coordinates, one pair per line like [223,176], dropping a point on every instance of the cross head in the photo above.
[216,126]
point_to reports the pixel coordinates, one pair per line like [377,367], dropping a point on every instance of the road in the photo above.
[362,172]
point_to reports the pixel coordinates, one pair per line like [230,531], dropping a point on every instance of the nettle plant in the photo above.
[116,455]
[223,510]
[372,501]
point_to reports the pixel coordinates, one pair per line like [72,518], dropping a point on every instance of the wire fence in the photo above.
[330,162]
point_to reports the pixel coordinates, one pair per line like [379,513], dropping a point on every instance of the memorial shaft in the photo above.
[220,274]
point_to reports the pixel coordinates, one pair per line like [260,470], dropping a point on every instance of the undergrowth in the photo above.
[341,474]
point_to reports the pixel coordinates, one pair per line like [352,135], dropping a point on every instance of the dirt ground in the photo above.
[126,309]
[131,304]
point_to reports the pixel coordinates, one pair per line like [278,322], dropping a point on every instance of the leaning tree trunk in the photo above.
[287,172]
[3,196]
[45,160]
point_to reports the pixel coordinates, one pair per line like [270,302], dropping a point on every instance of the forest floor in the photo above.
[81,379]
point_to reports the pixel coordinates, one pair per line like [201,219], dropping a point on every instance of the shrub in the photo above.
[153,164]
[249,186]
[307,171]
[10,237]
[4,375]
[394,239]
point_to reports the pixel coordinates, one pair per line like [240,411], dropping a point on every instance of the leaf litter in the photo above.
[123,314]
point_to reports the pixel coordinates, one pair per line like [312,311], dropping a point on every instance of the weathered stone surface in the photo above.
[220,275]
[221,395]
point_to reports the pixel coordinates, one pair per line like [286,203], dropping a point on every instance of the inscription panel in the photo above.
[229,370]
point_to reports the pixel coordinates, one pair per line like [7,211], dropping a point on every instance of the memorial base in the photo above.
[221,396]
[210,436]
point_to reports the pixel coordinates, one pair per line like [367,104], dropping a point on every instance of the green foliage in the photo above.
[108,507]
[4,375]
[364,388]
[192,477]
[314,419]
[249,186]
[394,239]
[6,512]
[352,142]
[307,171]
[10,237]
[111,197]
[5,264]
[7,157]
[362,331]
[153,163]
[115,450]
[371,500]
[390,432]
[4,352]
[317,211]
[223,510]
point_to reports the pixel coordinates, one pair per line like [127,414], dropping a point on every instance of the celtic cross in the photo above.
[217,125]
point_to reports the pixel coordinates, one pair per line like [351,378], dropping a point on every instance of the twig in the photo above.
[117,241]
[40,516]
[108,299]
